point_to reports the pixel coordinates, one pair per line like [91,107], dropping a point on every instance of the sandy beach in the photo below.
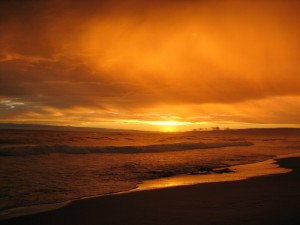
[272,199]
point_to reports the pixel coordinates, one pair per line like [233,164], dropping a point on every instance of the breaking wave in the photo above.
[67,149]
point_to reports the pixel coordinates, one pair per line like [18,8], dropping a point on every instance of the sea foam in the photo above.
[67,149]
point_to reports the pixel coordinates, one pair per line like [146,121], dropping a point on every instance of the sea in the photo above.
[48,166]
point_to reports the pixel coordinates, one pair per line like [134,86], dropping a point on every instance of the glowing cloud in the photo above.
[184,64]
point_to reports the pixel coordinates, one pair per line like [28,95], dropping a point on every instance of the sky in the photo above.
[167,65]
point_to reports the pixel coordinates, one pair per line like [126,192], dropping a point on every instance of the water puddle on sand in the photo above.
[27,210]
[240,172]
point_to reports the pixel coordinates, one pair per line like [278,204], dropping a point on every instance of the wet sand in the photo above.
[272,199]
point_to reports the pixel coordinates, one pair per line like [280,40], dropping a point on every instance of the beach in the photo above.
[131,112]
[272,199]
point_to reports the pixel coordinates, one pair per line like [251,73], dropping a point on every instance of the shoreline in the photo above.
[265,200]
[240,172]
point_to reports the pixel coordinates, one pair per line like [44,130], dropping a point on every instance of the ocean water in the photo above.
[41,167]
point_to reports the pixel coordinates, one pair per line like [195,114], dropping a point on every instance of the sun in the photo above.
[165,123]
[168,129]
[168,126]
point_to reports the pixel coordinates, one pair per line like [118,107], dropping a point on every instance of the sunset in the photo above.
[108,96]
[106,63]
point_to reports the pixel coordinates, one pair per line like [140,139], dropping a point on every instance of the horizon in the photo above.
[159,66]
[25,126]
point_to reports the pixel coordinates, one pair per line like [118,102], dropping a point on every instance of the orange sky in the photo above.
[154,65]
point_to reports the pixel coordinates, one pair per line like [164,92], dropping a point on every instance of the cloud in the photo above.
[10,103]
[142,57]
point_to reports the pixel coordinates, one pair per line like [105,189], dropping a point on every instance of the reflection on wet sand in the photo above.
[240,172]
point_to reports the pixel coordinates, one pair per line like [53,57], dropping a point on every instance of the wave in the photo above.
[47,149]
